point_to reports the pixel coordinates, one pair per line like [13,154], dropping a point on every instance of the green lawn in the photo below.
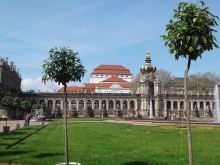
[113,144]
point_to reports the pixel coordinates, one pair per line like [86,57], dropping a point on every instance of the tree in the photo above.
[36,106]
[7,102]
[190,34]
[24,105]
[63,66]
[17,104]
[165,77]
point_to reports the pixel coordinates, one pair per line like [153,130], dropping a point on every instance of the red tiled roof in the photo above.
[115,79]
[90,86]
[71,89]
[112,70]
[108,85]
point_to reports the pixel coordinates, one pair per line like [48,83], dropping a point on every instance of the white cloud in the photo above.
[37,85]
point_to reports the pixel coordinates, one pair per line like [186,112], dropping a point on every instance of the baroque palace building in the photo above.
[148,101]
[10,79]
[106,79]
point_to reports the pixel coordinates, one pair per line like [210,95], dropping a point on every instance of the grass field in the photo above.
[112,144]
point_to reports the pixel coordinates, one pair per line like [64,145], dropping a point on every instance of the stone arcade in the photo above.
[148,102]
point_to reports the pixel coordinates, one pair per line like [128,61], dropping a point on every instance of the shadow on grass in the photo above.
[10,138]
[46,155]
[138,163]
[12,153]
[3,144]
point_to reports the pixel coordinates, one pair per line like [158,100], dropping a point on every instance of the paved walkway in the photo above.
[12,124]
[152,123]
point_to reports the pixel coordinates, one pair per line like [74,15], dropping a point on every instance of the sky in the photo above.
[103,32]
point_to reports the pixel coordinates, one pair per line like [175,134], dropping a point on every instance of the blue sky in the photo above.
[103,32]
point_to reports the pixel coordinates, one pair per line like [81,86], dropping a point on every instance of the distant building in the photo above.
[106,79]
[103,72]
[10,79]
[108,94]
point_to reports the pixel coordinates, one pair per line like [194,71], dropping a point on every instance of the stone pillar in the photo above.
[178,105]
[164,107]
[92,102]
[151,109]
[142,104]
[121,104]
[62,105]
[46,103]
[128,104]
[70,105]
[171,102]
[157,107]
[135,105]
[54,105]
[84,104]
[204,108]
[198,105]
[114,104]
[191,105]
[107,104]
[100,104]
[77,105]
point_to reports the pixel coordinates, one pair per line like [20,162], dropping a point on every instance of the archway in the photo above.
[111,105]
[118,105]
[73,104]
[132,105]
[81,104]
[88,104]
[103,104]
[125,105]
[175,105]
[58,105]
[96,104]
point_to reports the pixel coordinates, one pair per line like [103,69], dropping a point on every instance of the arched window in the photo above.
[118,104]
[168,105]
[103,104]
[73,104]
[201,104]
[88,104]
[195,105]
[58,105]
[125,105]
[50,105]
[175,105]
[132,105]
[181,105]
[81,104]
[111,105]
[96,104]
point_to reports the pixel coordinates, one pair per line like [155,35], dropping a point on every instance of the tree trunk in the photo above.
[188,113]
[65,128]
[17,115]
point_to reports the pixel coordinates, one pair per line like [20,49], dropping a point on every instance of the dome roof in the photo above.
[148,68]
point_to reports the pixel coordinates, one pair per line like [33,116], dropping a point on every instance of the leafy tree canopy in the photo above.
[24,105]
[16,101]
[62,66]
[190,33]
[36,106]
[7,102]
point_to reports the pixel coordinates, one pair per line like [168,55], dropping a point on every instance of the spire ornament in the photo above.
[148,58]
[148,68]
